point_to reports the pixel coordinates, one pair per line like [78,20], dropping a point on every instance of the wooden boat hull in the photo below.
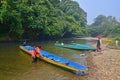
[46,58]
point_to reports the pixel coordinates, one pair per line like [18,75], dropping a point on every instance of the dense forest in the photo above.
[41,19]
[49,19]
[106,26]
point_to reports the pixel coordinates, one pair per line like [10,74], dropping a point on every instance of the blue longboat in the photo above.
[56,60]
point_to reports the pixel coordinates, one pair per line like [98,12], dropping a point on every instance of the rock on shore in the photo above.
[105,65]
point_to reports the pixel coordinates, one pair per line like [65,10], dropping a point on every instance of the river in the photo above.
[15,65]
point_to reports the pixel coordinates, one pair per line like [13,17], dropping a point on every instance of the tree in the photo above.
[106,26]
[50,18]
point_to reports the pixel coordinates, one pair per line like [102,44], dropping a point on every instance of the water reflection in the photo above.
[15,65]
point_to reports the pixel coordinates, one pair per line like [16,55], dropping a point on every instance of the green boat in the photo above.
[76,46]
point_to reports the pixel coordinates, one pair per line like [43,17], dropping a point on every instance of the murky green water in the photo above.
[15,65]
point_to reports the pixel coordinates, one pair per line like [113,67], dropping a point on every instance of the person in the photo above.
[36,53]
[116,43]
[99,44]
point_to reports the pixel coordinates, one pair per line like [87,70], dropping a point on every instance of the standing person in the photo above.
[99,44]
[36,53]
[116,43]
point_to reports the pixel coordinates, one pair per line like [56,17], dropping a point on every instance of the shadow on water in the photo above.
[15,65]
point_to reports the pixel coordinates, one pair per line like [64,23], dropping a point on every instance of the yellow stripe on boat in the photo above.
[52,61]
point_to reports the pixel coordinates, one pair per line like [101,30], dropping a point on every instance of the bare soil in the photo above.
[104,65]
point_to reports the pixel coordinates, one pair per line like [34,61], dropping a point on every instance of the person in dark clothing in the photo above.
[99,44]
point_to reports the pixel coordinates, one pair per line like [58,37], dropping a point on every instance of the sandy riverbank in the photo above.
[105,66]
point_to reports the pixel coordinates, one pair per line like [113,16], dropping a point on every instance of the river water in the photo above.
[15,65]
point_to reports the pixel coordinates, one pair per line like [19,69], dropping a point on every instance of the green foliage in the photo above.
[52,18]
[117,38]
[105,26]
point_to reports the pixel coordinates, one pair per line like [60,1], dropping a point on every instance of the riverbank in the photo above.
[105,65]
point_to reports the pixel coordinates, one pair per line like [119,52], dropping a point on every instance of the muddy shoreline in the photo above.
[105,65]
